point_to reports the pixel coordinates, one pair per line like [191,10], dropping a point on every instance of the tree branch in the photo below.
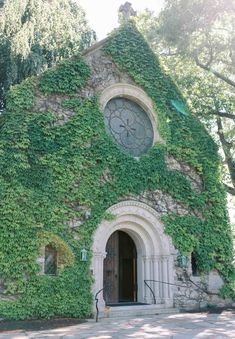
[229,189]
[224,115]
[217,74]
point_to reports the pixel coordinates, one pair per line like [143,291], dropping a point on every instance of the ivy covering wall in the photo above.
[51,174]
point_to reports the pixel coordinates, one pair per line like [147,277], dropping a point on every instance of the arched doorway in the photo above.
[155,252]
[120,269]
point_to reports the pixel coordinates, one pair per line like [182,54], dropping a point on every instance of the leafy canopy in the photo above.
[196,41]
[36,34]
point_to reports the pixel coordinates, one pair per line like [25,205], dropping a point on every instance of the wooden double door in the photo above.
[120,269]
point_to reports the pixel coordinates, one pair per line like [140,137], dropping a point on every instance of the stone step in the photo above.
[135,310]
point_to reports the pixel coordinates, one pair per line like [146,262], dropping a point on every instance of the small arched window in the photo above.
[195,271]
[50,263]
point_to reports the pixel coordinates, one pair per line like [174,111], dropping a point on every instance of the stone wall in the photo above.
[192,176]
[164,203]
[104,73]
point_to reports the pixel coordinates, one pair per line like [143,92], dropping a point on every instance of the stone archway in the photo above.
[155,252]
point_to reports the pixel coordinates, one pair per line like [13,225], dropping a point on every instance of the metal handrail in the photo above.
[96,303]
[106,287]
[154,298]
[177,285]
[152,292]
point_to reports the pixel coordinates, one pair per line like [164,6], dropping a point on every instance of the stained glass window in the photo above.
[129,126]
[50,264]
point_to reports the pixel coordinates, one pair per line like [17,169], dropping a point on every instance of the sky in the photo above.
[103,14]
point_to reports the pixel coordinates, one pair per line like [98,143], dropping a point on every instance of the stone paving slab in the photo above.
[176,326]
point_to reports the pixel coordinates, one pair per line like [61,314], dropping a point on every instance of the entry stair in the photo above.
[135,309]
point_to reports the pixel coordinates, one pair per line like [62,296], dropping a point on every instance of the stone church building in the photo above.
[130,202]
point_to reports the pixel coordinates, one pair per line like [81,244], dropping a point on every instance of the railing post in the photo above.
[151,290]
[96,304]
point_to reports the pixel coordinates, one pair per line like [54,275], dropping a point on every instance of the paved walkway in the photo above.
[177,326]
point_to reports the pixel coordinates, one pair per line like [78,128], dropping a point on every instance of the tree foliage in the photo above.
[196,40]
[36,34]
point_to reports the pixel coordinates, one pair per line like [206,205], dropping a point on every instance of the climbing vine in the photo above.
[53,175]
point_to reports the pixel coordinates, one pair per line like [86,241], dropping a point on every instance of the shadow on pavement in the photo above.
[212,310]
[39,324]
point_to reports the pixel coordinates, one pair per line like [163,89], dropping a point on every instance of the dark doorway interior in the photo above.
[120,275]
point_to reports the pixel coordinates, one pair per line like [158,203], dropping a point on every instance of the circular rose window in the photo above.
[129,126]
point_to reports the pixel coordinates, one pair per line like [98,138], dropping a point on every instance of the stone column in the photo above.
[166,266]
[164,277]
[156,276]
[148,298]
[170,267]
[98,264]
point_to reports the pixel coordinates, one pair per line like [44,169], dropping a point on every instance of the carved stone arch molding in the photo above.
[136,94]
[155,252]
